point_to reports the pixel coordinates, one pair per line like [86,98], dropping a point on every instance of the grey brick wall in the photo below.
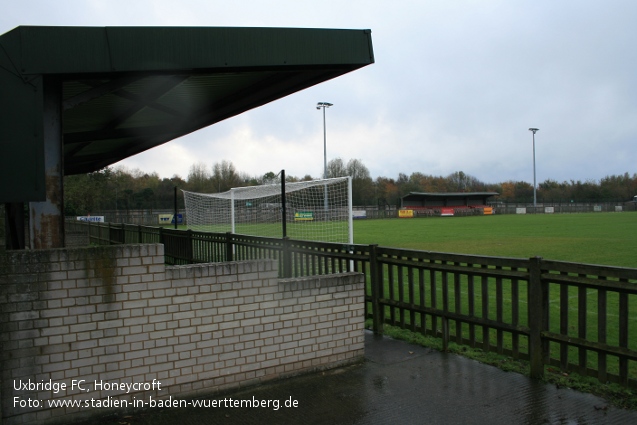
[118,315]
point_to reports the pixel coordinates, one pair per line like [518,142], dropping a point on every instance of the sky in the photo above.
[455,87]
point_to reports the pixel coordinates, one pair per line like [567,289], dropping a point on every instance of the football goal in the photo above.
[317,210]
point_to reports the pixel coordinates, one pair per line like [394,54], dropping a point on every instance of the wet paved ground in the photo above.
[403,384]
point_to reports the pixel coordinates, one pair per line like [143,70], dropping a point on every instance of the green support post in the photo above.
[287,258]
[190,252]
[229,249]
[376,286]
[538,318]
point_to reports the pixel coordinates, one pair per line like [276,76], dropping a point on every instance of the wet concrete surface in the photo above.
[404,384]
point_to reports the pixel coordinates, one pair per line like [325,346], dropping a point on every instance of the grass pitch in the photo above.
[592,238]
[595,238]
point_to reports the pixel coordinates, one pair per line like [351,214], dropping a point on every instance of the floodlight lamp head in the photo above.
[323,105]
[534,130]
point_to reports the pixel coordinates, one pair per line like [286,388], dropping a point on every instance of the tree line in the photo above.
[119,188]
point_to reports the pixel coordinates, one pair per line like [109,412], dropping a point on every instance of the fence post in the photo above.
[538,310]
[190,252]
[445,309]
[377,310]
[229,249]
[287,258]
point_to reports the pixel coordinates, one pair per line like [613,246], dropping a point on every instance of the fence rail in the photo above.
[574,317]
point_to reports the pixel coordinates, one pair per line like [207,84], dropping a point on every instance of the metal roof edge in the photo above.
[69,49]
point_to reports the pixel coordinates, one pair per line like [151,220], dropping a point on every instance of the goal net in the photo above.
[317,210]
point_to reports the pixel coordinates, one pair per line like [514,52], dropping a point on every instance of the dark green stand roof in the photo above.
[127,89]
[428,199]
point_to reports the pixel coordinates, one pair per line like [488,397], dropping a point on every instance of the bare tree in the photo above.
[461,182]
[198,178]
[357,170]
[336,168]
[225,176]
[362,184]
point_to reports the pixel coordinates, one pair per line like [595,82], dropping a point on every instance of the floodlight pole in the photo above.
[534,190]
[324,105]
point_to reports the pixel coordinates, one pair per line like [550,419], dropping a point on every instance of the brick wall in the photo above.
[118,315]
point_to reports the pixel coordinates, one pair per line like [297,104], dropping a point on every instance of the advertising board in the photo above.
[92,218]
[357,214]
[304,216]
[170,219]
[405,213]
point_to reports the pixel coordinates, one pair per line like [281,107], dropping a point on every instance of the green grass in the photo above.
[596,238]
[592,238]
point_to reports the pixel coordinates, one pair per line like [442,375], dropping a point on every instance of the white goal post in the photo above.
[317,210]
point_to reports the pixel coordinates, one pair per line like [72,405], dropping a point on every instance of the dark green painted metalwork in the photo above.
[128,89]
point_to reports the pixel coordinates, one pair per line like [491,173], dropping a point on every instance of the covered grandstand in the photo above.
[452,203]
